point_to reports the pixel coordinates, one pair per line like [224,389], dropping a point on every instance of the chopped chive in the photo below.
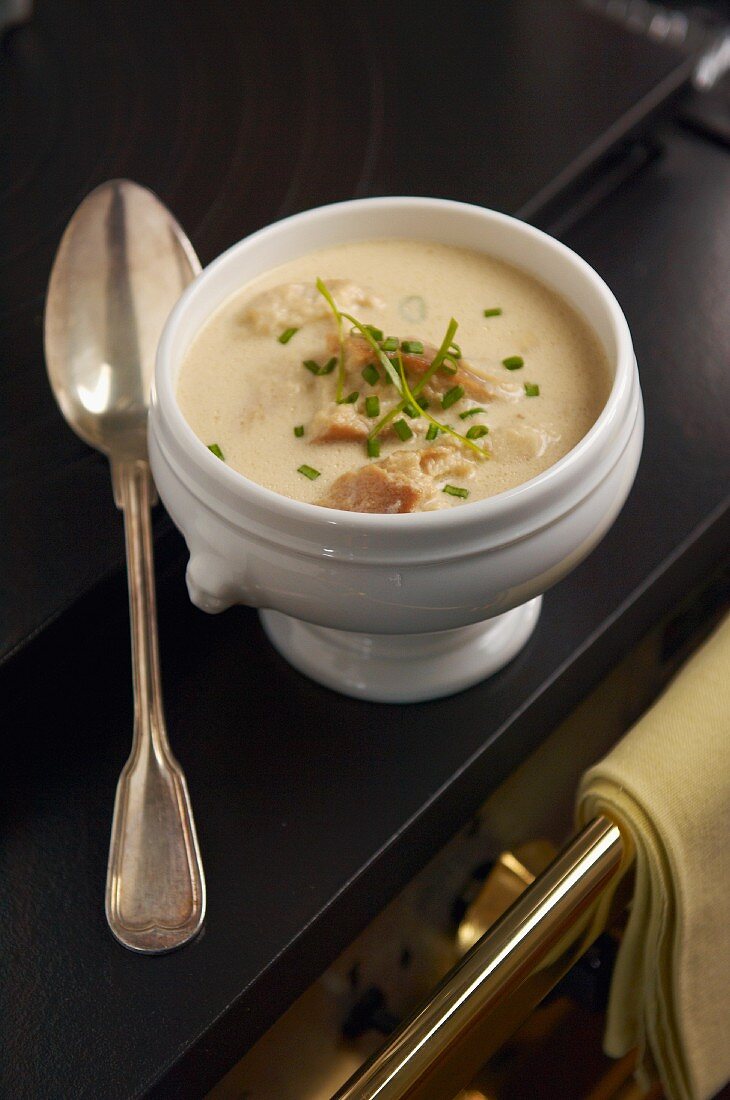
[455,491]
[391,344]
[376,333]
[380,355]
[531,389]
[402,430]
[350,399]
[513,362]
[318,369]
[452,396]
[373,448]
[409,396]
[372,406]
[448,366]
[493,312]
[423,403]
[215,449]
[287,335]
[471,412]
[477,431]
[309,472]
[412,347]
[371,374]
[299,431]
[455,350]
[340,361]
[412,411]
[432,432]
[438,359]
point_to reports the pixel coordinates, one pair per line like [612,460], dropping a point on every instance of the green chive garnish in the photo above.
[432,432]
[531,389]
[449,366]
[471,412]
[455,491]
[215,449]
[376,333]
[452,396]
[318,369]
[409,396]
[513,362]
[423,380]
[438,359]
[412,347]
[299,431]
[402,430]
[372,406]
[477,431]
[391,344]
[374,448]
[388,368]
[350,399]
[455,350]
[371,374]
[493,312]
[287,335]
[340,361]
[309,472]
[412,411]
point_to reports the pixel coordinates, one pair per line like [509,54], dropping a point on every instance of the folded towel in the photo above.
[667,785]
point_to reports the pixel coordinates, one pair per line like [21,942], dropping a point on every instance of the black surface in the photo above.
[312,809]
[238,114]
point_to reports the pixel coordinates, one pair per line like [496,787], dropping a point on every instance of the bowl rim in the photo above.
[496,507]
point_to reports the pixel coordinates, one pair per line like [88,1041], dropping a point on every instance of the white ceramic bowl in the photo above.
[394,608]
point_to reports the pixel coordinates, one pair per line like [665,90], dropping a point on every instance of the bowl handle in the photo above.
[211,585]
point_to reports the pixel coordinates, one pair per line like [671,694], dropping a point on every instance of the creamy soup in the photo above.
[357,415]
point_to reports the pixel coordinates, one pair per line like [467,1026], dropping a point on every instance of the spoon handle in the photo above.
[155,889]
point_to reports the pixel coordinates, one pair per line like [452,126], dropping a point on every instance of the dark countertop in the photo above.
[313,809]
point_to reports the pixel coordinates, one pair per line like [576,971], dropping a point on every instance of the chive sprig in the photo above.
[445,356]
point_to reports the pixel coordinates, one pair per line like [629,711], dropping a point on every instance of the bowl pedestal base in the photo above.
[402,668]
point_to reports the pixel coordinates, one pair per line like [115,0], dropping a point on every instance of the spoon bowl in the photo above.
[121,266]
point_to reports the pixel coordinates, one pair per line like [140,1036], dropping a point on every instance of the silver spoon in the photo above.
[121,266]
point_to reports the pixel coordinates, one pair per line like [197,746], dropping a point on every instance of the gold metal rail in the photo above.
[499,981]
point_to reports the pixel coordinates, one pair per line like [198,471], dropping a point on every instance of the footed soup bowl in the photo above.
[395,608]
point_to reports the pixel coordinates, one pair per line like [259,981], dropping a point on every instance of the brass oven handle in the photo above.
[499,981]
